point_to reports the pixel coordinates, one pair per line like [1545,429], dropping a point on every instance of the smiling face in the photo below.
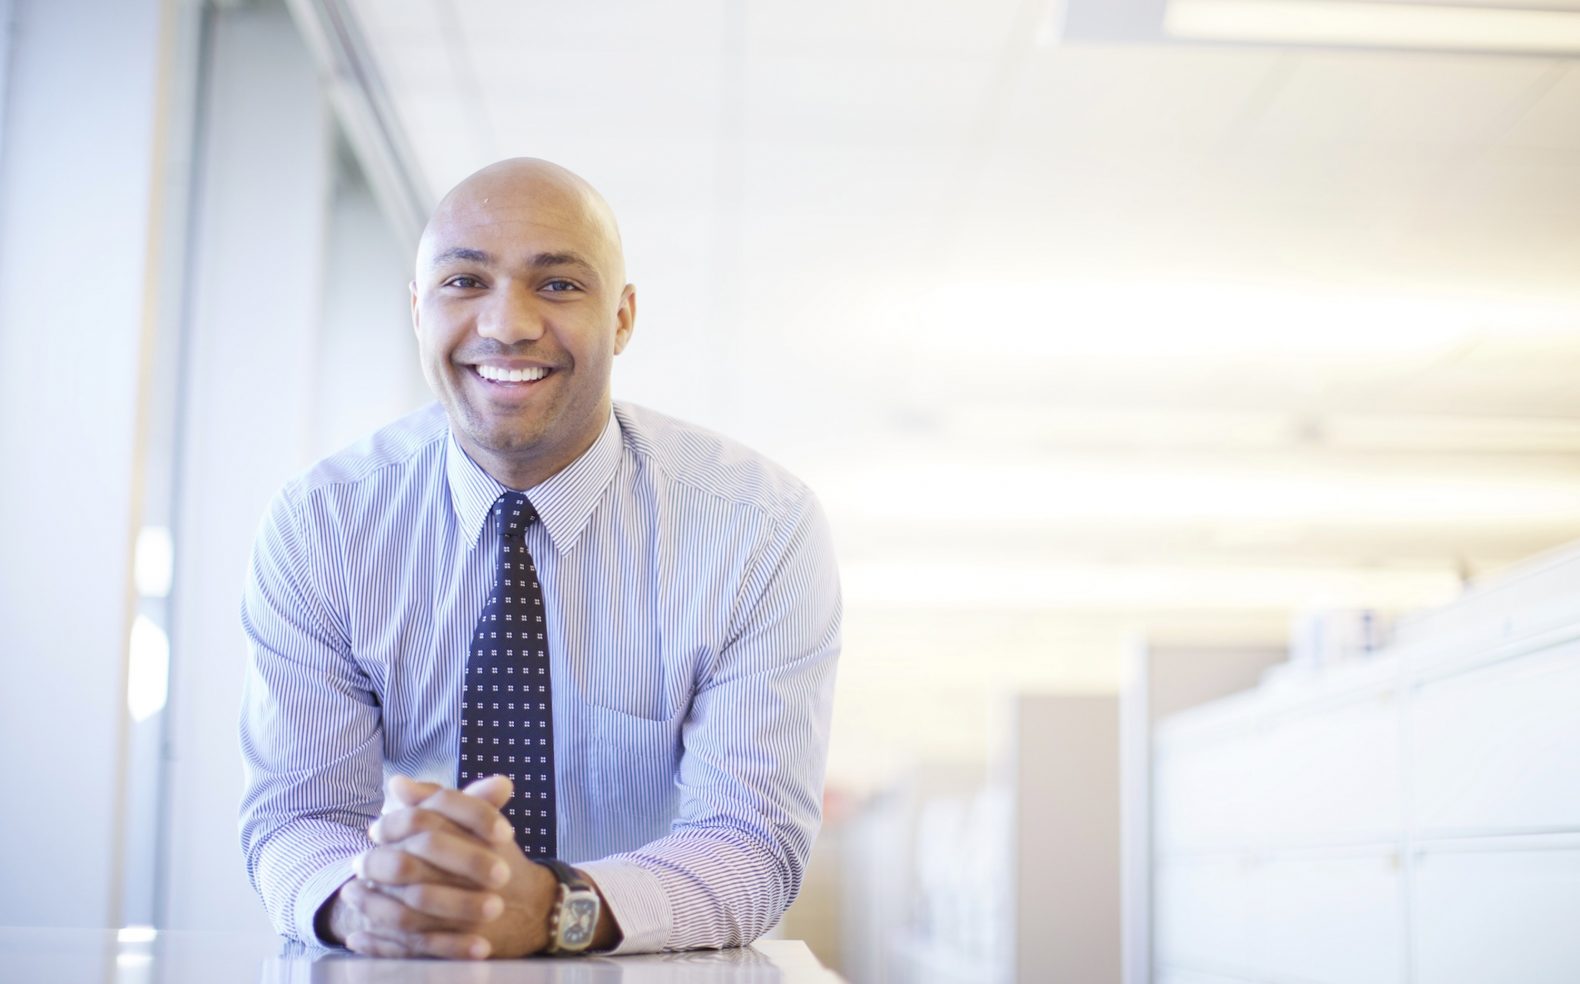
[520,306]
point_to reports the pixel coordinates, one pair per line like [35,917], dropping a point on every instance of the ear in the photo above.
[625,318]
[415,326]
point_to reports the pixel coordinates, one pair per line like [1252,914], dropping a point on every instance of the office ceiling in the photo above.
[1191,335]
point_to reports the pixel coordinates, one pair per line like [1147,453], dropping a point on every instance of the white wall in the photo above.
[117,316]
[80,144]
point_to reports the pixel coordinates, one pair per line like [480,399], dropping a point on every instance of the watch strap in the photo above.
[577,900]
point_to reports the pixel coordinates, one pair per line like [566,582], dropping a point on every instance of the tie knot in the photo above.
[513,514]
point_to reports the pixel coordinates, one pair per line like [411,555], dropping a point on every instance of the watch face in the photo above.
[580,918]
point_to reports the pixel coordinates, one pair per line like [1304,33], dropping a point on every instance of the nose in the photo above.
[510,315]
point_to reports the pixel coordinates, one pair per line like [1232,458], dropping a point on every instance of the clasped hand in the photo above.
[445,879]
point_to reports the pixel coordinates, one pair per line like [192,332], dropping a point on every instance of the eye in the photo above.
[560,285]
[464,281]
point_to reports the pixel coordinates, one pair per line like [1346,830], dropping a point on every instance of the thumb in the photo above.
[495,790]
[409,792]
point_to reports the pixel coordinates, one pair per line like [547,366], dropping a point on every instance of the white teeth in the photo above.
[511,375]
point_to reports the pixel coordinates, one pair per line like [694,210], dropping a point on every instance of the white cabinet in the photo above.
[1314,916]
[1202,912]
[1312,775]
[1494,915]
[1499,747]
[1413,819]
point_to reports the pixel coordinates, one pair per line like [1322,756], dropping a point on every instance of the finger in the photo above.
[453,905]
[495,790]
[385,915]
[455,946]
[461,857]
[393,865]
[401,824]
[479,816]
[408,791]
[367,944]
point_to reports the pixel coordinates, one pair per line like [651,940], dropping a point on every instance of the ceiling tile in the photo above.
[855,180]
[1553,123]
[397,20]
[881,27]
[842,99]
[1102,99]
[613,30]
[1436,102]
[641,101]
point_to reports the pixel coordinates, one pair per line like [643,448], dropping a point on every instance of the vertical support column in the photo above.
[368,372]
[78,278]
[1135,815]
[266,158]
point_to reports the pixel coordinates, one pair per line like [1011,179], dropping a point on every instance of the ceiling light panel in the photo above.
[1503,26]
[1342,23]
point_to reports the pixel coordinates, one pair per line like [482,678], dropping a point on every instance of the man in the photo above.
[562,629]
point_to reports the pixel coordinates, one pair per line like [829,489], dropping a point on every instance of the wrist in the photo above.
[578,917]
[332,922]
[607,936]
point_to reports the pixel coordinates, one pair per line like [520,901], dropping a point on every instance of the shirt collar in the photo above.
[564,501]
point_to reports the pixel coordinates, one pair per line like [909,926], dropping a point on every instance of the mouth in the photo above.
[501,376]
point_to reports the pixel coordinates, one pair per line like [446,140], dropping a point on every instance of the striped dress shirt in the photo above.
[694,615]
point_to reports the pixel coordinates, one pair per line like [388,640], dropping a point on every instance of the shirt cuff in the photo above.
[635,900]
[315,892]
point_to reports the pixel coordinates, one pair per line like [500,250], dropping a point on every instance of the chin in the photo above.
[509,441]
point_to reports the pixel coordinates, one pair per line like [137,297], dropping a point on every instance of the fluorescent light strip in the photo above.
[1345,23]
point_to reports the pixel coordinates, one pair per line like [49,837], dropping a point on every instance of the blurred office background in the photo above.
[1142,353]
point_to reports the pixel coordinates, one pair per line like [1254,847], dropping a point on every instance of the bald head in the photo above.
[526,189]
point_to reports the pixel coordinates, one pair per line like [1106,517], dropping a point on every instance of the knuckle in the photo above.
[395,826]
[481,867]
[416,819]
[443,800]
[420,897]
[407,867]
[376,864]
[375,904]
[383,865]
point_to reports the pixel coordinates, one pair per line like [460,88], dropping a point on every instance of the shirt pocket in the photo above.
[646,683]
[634,764]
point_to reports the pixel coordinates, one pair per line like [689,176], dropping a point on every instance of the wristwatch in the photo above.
[573,918]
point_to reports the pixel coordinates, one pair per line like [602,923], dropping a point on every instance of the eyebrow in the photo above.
[537,261]
[541,261]
[461,253]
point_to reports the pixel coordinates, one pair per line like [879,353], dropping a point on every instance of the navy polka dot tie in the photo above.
[507,720]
